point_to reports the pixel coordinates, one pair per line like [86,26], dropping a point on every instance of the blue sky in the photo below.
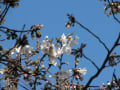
[52,14]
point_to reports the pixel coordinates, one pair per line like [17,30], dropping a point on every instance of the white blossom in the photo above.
[12,52]
[27,49]
[82,71]
[17,49]
[63,39]
[59,51]
[66,50]
[64,74]
[68,43]
[46,38]
[61,76]
[108,83]
[52,61]
[73,41]
[50,75]
[118,6]
[45,46]
[2,71]
[48,48]
[42,65]
[52,51]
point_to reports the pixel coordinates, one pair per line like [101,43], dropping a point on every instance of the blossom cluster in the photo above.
[63,75]
[67,42]
[27,49]
[114,8]
[64,45]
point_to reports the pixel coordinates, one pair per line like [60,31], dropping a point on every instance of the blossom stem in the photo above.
[43,57]
[60,62]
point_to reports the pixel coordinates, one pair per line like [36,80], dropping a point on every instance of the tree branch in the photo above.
[43,57]
[103,65]
[3,31]
[91,61]
[94,35]
[14,29]
[5,12]
[34,88]
[23,86]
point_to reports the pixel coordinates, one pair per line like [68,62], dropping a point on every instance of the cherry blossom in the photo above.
[52,60]
[66,50]
[49,48]
[82,71]
[64,74]
[64,40]
[27,49]
[2,71]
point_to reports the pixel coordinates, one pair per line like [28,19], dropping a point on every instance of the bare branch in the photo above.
[23,86]
[43,57]
[5,12]
[3,31]
[14,29]
[104,63]
[88,30]
[35,83]
[90,61]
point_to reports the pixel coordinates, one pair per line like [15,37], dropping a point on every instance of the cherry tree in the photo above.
[24,65]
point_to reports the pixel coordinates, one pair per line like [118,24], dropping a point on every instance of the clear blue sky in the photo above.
[52,13]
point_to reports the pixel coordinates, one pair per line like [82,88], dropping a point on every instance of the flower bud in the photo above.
[38,34]
[32,35]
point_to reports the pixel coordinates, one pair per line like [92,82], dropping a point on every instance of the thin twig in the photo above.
[88,30]
[4,10]
[23,86]
[3,31]
[7,52]
[35,83]
[14,29]
[60,62]
[91,61]
[7,8]
[43,57]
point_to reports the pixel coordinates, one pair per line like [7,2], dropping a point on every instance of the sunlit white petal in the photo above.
[52,61]
[27,49]
[64,74]
[18,49]
[66,50]
[82,71]
[2,71]
[52,51]
[63,39]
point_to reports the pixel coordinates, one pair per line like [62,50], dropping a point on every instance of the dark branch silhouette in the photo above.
[93,35]
[91,61]
[104,63]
